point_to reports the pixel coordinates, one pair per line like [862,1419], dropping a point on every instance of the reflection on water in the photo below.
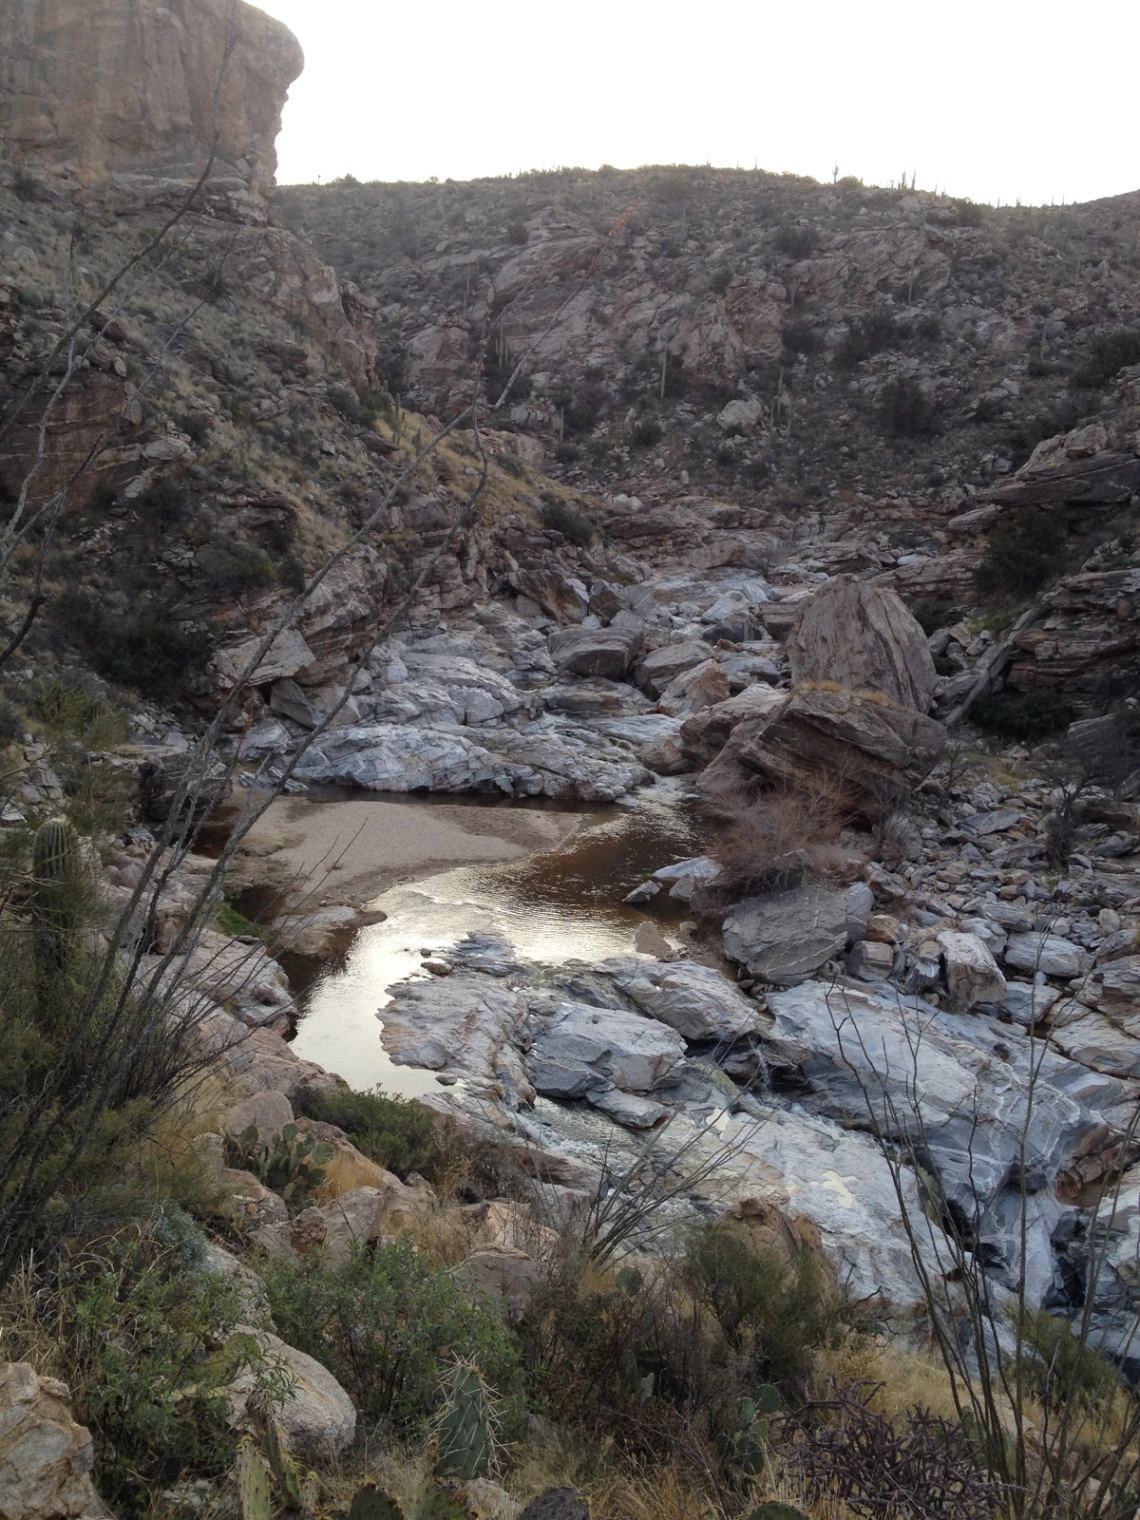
[562,905]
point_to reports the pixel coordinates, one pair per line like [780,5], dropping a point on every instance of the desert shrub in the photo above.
[1031,715]
[151,652]
[513,465]
[647,432]
[906,410]
[560,517]
[928,327]
[24,185]
[165,506]
[579,413]
[1025,549]
[801,338]
[566,453]
[517,234]
[388,1325]
[1060,1366]
[858,1461]
[721,278]
[968,213]
[1108,353]
[867,336]
[398,1134]
[796,242]
[932,614]
[676,380]
[770,842]
[235,567]
[147,1340]
[775,1311]
[343,399]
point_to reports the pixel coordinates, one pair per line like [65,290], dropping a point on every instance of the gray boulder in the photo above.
[578,1049]
[864,638]
[697,1001]
[785,936]
[605,652]
[659,667]
[1048,953]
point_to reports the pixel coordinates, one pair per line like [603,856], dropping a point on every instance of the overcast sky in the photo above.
[993,99]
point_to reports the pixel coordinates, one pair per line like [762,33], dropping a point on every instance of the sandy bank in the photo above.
[323,853]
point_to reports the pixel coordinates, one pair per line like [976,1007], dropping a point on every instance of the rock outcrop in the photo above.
[115,101]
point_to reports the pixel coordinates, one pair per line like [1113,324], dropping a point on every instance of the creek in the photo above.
[554,906]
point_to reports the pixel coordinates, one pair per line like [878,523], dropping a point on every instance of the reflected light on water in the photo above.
[564,904]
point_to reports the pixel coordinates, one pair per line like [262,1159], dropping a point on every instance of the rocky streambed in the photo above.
[929,1010]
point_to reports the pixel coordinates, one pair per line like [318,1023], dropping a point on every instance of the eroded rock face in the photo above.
[114,99]
[864,638]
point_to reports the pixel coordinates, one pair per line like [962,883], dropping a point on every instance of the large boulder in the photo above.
[785,936]
[45,1457]
[860,750]
[562,597]
[595,651]
[865,639]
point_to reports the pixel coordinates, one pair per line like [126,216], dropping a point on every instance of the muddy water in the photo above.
[562,904]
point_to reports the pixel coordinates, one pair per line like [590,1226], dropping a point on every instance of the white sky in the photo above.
[994,99]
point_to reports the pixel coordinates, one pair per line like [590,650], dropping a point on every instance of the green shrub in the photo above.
[151,652]
[24,185]
[394,1132]
[773,1311]
[1107,354]
[721,278]
[968,213]
[165,506]
[906,410]
[560,517]
[389,1327]
[235,567]
[1030,716]
[647,432]
[566,453]
[801,338]
[869,335]
[932,614]
[148,1343]
[1025,549]
[796,242]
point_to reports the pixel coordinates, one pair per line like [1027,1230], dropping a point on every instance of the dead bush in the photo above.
[769,841]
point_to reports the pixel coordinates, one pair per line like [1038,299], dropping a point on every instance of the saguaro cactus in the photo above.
[54,904]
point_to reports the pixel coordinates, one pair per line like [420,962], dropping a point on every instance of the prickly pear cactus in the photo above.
[464,1430]
[283,1465]
[372,1503]
[252,1474]
[442,1501]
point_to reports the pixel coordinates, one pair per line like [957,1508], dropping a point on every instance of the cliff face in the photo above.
[113,101]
